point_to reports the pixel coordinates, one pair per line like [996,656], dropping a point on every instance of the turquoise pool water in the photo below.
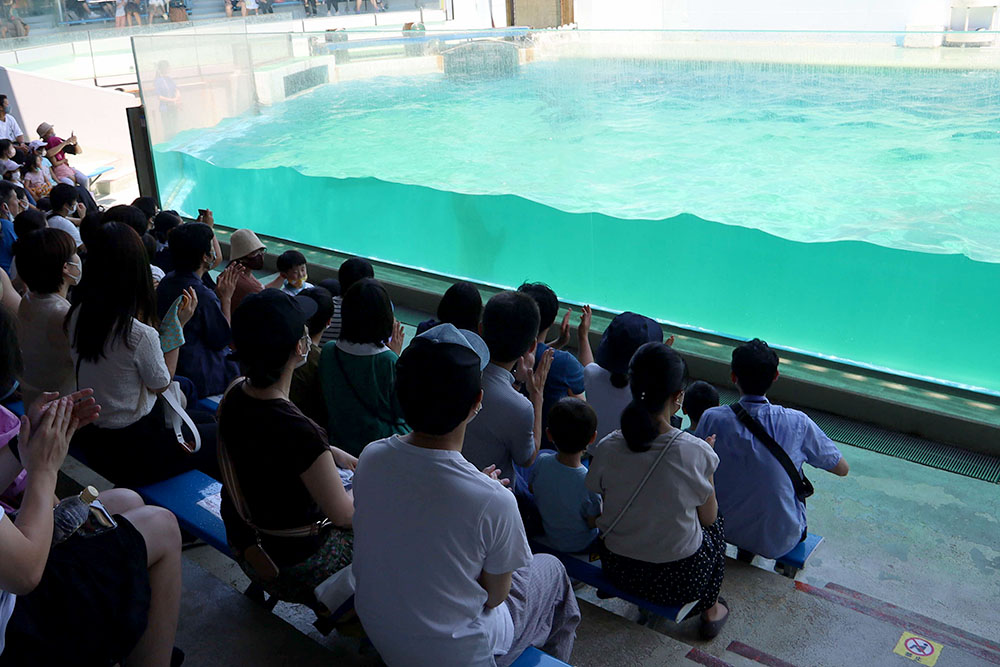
[847,212]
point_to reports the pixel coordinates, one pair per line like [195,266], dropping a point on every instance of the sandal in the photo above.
[711,629]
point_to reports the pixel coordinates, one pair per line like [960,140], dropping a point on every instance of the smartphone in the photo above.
[202,212]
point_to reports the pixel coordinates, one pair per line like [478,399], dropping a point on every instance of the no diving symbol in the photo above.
[918,646]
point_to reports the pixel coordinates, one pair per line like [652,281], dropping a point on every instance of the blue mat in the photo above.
[181,496]
[532,657]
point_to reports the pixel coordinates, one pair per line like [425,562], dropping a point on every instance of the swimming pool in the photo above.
[850,212]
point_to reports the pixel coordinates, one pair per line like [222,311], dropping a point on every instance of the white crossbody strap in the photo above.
[638,489]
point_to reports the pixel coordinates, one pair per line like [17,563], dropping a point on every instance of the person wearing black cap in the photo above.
[444,573]
[278,472]
[606,378]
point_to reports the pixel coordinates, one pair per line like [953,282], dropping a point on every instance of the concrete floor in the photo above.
[907,548]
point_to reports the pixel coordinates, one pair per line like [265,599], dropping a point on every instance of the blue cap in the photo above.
[450,334]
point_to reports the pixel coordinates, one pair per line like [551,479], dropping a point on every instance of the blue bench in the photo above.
[181,495]
[593,575]
[210,404]
[532,657]
[97,173]
[790,564]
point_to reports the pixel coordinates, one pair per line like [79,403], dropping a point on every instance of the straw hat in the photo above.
[242,243]
[44,128]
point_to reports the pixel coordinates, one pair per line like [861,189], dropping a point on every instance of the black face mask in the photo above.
[254,263]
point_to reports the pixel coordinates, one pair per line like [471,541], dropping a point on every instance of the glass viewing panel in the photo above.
[831,193]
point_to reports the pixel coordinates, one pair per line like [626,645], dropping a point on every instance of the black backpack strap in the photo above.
[802,486]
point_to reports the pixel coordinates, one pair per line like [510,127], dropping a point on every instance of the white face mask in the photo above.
[304,355]
[79,272]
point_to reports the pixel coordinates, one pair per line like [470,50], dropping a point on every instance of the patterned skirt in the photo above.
[697,577]
[296,583]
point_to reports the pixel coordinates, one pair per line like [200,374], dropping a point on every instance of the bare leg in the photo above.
[163,549]
[119,501]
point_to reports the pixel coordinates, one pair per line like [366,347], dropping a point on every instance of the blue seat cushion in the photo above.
[181,495]
[532,657]
[797,557]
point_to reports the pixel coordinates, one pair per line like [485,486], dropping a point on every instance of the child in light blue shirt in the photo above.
[569,511]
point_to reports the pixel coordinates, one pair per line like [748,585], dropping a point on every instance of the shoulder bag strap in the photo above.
[802,486]
[231,484]
[649,473]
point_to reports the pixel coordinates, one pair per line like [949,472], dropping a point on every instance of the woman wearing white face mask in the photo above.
[278,471]
[50,268]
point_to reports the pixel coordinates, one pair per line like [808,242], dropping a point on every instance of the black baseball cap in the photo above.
[624,335]
[269,323]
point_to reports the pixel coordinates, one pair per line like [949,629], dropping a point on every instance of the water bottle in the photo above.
[72,513]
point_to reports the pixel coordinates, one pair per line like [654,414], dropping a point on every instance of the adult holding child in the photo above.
[663,536]
[287,513]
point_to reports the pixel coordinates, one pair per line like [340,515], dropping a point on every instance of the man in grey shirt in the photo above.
[508,428]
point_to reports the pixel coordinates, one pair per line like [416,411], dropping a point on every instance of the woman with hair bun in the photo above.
[662,535]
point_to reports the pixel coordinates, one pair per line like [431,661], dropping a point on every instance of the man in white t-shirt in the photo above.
[444,573]
[9,129]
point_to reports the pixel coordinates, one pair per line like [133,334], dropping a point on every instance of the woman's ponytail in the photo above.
[638,427]
[655,373]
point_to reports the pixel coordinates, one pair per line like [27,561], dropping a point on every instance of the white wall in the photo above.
[96,115]
[887,15]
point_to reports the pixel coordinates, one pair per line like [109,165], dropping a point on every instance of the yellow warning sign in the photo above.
[917,648]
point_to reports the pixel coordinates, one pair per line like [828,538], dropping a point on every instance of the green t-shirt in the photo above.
[359,389]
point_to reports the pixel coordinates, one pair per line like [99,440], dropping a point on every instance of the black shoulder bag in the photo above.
[803,487]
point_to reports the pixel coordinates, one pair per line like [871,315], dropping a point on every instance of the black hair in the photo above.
[754,365]
[11,365]
[289,259]
[655,373]
[461,305]
[41,255]
[129,215]
[29,221]
[510,325]
[4,145]
[437,385]
[189,244]
[548,303]
[32,163]
[149,243]
[3,100]
[163,222]
[324,308]
[62,194]
[147,205]
[6,190]
[366,313]
[572,424]
[331,285]
[353,270]
[116,287]
[698,397]
[90,224]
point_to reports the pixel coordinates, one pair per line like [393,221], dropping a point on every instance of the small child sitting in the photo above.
[292,267]
[569,511]
[698,397]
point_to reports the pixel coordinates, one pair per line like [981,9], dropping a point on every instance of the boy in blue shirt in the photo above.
[569,511]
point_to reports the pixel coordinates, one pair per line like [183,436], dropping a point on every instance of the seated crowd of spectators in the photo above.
[426,465]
